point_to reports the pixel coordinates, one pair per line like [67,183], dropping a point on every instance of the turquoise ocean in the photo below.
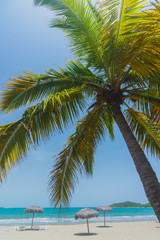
[16,216]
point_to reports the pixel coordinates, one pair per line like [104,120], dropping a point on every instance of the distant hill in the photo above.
[130,204]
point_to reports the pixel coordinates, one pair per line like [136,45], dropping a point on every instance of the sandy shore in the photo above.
[113,231]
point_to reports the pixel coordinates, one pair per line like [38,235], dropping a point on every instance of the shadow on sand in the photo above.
[103,226]
[85,234]
[31,229]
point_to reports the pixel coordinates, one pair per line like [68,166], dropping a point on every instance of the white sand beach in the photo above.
[112,231]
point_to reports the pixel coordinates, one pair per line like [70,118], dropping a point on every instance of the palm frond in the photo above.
[146,131]
[88,163]
[82,27]
[15,142]
[143,54]
[37,123]
[22,89]
[144,100]
[30,87]
[54,113]
[130,37]
[155,114]
[132,80]
[78,153]
[121,19]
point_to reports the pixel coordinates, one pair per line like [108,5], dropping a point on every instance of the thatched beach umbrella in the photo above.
[33,209]
[85,214]
[104,209]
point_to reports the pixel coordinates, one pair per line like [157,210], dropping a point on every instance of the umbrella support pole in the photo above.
[87,226]
[104,220]
[32,221]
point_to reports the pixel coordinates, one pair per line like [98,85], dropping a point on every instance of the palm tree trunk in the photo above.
[144,169]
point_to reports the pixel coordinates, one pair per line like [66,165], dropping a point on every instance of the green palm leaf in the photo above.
[15,142]
[78,155]
[121,19]
[146,131]
[144,100]
[25,89]
[129,39]
[82,27]
[155,114]
[54,113]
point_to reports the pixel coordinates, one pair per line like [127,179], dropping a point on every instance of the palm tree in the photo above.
[116,70]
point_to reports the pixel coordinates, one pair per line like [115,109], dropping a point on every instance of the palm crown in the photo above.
[116,48]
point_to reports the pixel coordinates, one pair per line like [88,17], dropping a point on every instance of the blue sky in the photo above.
[28,43]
